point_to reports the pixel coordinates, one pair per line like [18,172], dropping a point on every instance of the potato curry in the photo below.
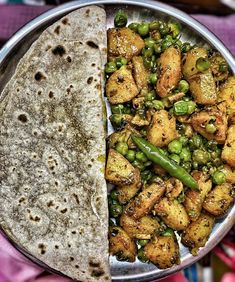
[171,157]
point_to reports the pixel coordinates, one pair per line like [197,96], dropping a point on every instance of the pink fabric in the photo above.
[228,277]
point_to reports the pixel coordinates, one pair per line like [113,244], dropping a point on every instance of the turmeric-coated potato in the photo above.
[121,245]
[173,188]
[143,203]
[121,87]
[219,200]
[229,174]
[140,73]
[124,42]
[194,199]
[228,152]
[162,129]
[142,228]
[170,71]
[220,120]
[172,213]
[198,232]
[216,61]
[227,94]
[127,192]
[118,170]
[163,251]
[203,88]
[189,61]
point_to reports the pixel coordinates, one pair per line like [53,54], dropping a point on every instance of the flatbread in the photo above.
[53,195]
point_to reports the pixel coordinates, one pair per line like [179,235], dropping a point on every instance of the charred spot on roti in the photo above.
[71,258]
[65,21]
[97,272]
[64,210]
[56,247]
[17,90]
[69,60]
[50,204]
[39,93]
[39,76]
[93,65]
[42,248]
[48,47]
[51,94]
[92,44]
[89,80]
[77,266]
[76,198]
[74,232]
[23,118]
[93,263]
[59,50]
[57,30]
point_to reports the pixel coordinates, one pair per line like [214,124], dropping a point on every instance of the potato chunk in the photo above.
[173,188]
[142,228]
[127,192]
[118,170]
[121,245]
[163,251]
[172,213]
[227,94]
[203,88]
[198,232]
[121,87]
[228,153]
[219,200]
[201,119]
[189,61]
[194,200]
[162,129]
[144,202]
[140,73]
[229,174]
[124,42]
[170,71]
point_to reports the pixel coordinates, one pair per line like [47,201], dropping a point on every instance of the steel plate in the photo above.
[192,31]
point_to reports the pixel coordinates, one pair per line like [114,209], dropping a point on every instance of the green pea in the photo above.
[191,107]
[203,64]
[157,48]
[163,28]
[218,177]
[223,67]
[166,44]
[185,155]
[120,19]
[149,42]
[185,47]
[130,155]
[216,153]
[201,157]
[153,78]
[117,109]
[183,86]
[143,29]
[133,26]
[121,61]
[147,52]
[143,242]
[180,108]
[187,166]
[175,158]
[197,141]
[186,98]
[116,119]
[122,148]
[181,197]
[168,232]
[154,25]
[143,132]
[150,96]
[140,156]
[175,28]
[147,62]
[138,164]
[212,145]
[195,165]
[146,175]
[211,128]
[114,194]
[175,146]
[141,255]
[115,210]
[158,104]
[183,140]
[148,163]
[110,67]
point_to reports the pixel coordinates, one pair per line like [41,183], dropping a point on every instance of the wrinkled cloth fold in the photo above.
[14,266]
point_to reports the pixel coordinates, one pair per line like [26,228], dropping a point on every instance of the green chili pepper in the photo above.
[155,155]
[120,19]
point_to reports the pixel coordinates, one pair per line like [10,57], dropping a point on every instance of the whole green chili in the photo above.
[154,154]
